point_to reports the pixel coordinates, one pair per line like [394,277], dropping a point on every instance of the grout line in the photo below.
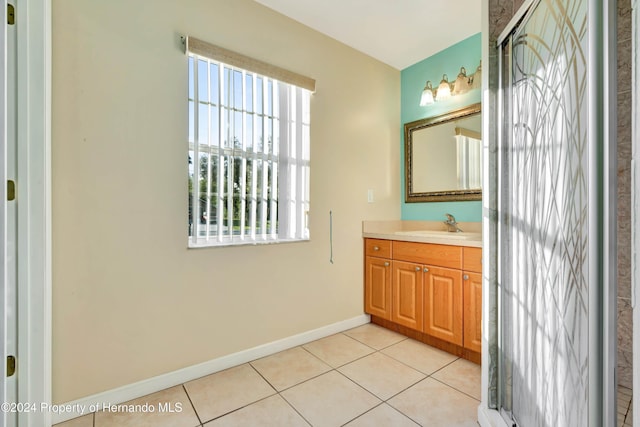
[296,384]
[262,376]
[295,409]
[365,412]
[240,408]
[377,406]
[452,387]
[367,345]
[362,387]
[356,339]
[404,337]
[304,381]
[192,405]
[427,375]
[406,388]
[351,361]
[415,421]
[440,369]
[322,361]
[391,345]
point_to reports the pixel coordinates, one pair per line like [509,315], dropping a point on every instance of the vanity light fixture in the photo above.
[477,78]
[444,89]
[427,95]
[461,85]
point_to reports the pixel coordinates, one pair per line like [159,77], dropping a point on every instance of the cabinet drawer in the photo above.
[428,253]
[472,259]
[377,248]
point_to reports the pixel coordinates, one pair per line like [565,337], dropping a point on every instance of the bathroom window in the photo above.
[248,156]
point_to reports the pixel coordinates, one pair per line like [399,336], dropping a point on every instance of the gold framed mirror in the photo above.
[443,157]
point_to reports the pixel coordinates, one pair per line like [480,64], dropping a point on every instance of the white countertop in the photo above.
[424,232]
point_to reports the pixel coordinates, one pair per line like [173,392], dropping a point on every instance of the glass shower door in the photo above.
[546,234]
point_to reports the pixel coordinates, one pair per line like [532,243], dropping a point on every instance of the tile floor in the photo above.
[367,376]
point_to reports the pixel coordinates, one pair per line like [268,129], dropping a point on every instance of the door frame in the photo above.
[3,197]
[33,28]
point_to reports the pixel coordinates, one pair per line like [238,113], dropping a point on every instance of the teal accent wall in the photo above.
[466,53]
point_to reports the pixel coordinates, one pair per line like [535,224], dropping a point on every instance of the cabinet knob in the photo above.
[376,248]
[426,270]
[465,277]
[386,264]
[418,269]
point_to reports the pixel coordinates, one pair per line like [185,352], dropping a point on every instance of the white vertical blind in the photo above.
[248,156]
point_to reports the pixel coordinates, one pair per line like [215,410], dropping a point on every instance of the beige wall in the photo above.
[130,301]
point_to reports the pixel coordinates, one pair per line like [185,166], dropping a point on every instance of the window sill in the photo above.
[216,244]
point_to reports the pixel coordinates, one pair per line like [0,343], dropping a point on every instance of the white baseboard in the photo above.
[171,379]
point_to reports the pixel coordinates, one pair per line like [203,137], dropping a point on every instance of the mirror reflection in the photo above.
[443,157]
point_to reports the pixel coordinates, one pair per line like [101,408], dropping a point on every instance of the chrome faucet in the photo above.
[451,224]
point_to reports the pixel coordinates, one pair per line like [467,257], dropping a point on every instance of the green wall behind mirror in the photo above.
[465,53]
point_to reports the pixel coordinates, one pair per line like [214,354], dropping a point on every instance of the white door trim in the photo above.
[3,210]
[33,26]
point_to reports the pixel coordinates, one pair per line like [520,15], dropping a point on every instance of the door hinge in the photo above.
[11,365]
[11,14]
[11,190]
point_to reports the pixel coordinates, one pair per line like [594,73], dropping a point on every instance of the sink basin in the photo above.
[441,234]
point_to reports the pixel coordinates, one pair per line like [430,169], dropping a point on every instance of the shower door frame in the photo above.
[602,214]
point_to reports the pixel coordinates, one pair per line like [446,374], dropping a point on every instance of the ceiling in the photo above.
[396,32]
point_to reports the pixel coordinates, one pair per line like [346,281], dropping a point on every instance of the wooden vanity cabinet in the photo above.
[377,292]
[428,291]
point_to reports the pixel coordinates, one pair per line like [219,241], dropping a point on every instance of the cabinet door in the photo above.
[377,288]
[407,294]
[472,310]
[443,304]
